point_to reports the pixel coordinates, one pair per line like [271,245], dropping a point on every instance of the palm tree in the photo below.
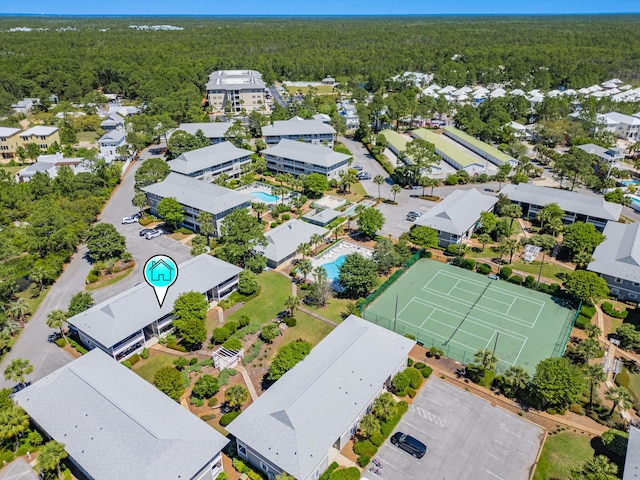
[18,310]
[139,200]
[518,378]
[5,341]
[304,249]
[592,331]
[384,407]
[259,208]
[236,395]
[9,326]
[395,189]
[305,267]
[512,211]
[37,275]
[486,358]
[338,231]
[378,180]
[369,425]
[291,303]
[13,422]
[205,219]
[17,369]
[511,245]
[57,319]
[582,259]
[280,178]
[594,375]
[484,238]
[315,240]
[548,212]
[51,455]
[620,396]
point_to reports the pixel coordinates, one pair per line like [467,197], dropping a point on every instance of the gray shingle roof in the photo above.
[594,206]
[116,425]
[632,460]
[135,308]
[112,136]
[619,254]
[459,211]
[112,119]
[307,153]
[297,127]
[296,421]
[283,241]
[323,216]
[210,156]
[210,130]
[194,193]
[6,132]
[39,130]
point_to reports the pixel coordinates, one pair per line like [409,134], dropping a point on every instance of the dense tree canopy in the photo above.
[104,242]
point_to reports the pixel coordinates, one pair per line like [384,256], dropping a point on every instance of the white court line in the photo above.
[433,334]
[428,317]
[510,306]
[485,295]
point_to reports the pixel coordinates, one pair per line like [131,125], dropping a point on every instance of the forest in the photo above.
[167,69]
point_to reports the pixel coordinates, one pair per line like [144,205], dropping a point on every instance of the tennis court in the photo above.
[462,312]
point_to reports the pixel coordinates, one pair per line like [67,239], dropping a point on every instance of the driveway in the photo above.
[33,343]
[466,437]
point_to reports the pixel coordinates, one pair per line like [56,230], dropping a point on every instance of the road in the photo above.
[33,343]
[275,93]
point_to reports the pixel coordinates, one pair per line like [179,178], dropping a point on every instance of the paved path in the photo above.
[33,343]
[247,380]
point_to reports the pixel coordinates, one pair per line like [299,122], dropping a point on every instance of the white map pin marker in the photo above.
[160,272]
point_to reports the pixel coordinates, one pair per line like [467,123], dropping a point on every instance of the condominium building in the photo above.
[300,158]
[309,131]
[209,162]
[234,90]
[42,136]
[9,142]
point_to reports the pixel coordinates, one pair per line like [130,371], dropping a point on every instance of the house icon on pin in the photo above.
[161,271]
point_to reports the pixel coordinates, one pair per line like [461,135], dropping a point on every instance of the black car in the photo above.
[409,444]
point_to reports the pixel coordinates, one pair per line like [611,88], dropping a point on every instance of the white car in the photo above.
[126,220]
[153,234]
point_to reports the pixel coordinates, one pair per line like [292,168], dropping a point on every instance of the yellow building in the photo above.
[236,89]
[9,142]
[42,136]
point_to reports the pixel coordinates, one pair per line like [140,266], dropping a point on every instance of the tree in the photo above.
[347,178]
[369,425]
[423,236]
[189,313]
[512,211]
[57,319]
[17,369]
[581,237]
[171,211]
[315,240]
[259,208]
[384,407]
[104,242]
[620,397]
[304,250]
[557,383]
[305,267]
[510,245]
[319,288]
[169,381]
[586,286]
[139,200]
[13,422]
[582,259]
[237,134]
[484,239]
[486,358]
[315,184]
[18,310]
[291,303]
[370,221]
[600,468]
[152,170]
[242,233]
[236,395]
[248,283]
[574,165]
[51,455]
[358,275]
[206,386]
[488,221]
[80,302]
[395,189]
[269,332]
[594,375]
[518,379]
[205,220]
[549,212]
[592,331]
[378,180]
[287,358]
[338,232]
[502,174]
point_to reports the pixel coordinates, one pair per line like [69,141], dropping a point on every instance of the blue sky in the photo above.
[302,7]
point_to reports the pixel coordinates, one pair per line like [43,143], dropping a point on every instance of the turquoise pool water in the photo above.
[635,204]
[265,197]
[626,183]
[332,268]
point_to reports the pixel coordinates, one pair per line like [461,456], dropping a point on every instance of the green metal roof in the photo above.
[399,142]
[485,147]
[446,147]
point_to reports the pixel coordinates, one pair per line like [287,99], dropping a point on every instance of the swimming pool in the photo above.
[635,203]
[626,183]
[333,268]
[265,197]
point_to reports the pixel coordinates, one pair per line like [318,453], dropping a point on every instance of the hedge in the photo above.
[228,417]
[364,447]
[242,467]
[588,311]
[612,312]
[351,473]
[327,473]
[363,461]
[516,279]
[61,342]
[468,264]
[133,359]
[505,273]
[483,269]
[582,322]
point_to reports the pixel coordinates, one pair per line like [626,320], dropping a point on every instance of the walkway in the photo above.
[247,380]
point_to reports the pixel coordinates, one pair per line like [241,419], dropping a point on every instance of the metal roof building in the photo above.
[283,240]
[456,157]
[300,423]
[214,131]
[483,149]
[209,162]
[114,424]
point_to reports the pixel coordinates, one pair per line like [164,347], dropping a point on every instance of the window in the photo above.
[618,280]
[636,284]
[633,295]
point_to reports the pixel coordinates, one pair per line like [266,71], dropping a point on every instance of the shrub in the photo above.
[243,321]
[409,336]
[180,363]
[184,231]
[612,312]
[377,439]
[419,365]
[363,461]
[273,224]
[269,332]
[193,361]
[516,279]
[232,344]
[248,283]
[212,402]
[530,281]
[576,408]
[286,217]
[409,362]
[435,352]
[351,473]
[588,311]
[173,344]
[228,417]
[231,326]
[415,377]
[223,378]
[582,322]
[146,221]
[61,342]
[364,447]
[456,249]
[133,359]
[290,322]
[400,383]
[126,363]
[505,273]
[6,456]
[92,278]
[411,392]
[483,268]
[196,402]
[325,475]
[145,353]
[468,264]
[426,371]
[205,387]
[242,467]
[220,335]
[221,475]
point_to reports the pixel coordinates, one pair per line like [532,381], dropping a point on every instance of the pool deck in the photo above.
[339,249]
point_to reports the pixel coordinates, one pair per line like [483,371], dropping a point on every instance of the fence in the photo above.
[563,338]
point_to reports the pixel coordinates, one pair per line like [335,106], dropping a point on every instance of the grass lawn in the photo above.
[87,137]
[307,328]
[33,301]
[275,288]
[357,193]
[147,368]
[549,270]
[320,89]
[109,280]
[631,381]
[12,170]
[332,310]
[562,454]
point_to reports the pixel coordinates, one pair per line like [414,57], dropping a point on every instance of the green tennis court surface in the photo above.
[462,312]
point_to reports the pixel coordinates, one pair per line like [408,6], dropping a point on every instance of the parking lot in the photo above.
[466,438]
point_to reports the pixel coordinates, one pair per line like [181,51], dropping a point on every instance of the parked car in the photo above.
[364,176]
[127,220]
[144,231]
[409,444]
[357,167]
[414,214]
[152,234]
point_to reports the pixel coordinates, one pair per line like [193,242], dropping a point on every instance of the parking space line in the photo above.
[493,474]
[394,468]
